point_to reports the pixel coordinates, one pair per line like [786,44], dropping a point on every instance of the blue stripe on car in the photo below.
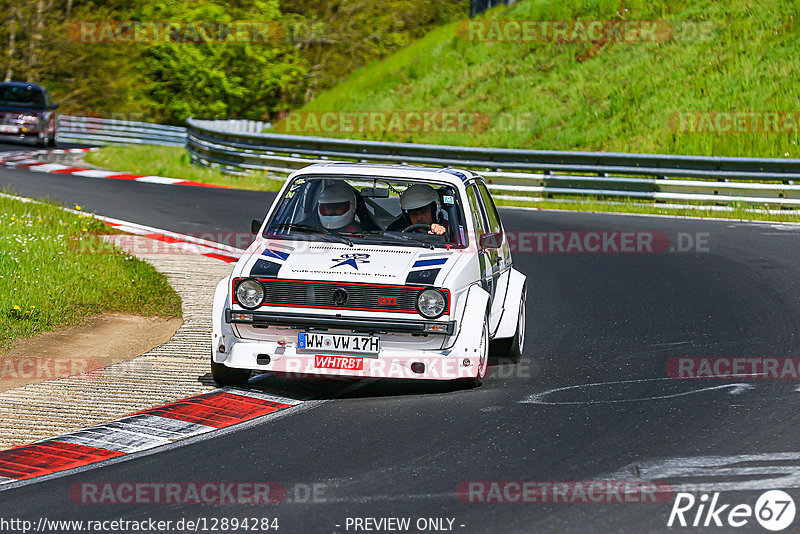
[428,263]
[275,254]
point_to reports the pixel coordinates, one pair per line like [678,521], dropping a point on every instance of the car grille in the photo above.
[344,296]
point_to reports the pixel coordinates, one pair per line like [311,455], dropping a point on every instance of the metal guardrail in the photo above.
[538,173]
[111,131]
[108,131]
[234,125]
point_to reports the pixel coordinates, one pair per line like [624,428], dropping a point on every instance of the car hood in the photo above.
[339,262]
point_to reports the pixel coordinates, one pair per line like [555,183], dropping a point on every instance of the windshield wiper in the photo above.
[312,230]
[403,238]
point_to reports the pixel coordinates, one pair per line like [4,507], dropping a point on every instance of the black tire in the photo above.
[52,140]
[510,349]
[228,376]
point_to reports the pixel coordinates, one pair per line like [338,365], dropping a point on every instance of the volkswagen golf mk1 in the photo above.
[365,270]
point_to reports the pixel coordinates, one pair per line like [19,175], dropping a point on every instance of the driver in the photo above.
[337,208]
[420,205]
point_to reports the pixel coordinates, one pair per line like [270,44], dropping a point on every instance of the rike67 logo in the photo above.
[774,510]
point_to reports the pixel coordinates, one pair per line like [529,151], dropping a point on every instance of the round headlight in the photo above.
[431,303]
[250,293]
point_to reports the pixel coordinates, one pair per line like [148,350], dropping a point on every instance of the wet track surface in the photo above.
[602,328]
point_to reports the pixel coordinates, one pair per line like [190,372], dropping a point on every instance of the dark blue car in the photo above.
[27,112]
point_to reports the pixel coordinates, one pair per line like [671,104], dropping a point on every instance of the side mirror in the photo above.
[255,226]
[491,241]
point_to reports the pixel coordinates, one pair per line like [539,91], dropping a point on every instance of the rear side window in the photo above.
[477,212]
[491,210]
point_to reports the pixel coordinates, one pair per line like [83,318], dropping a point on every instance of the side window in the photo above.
[477,213]
[491,210]
[504,253]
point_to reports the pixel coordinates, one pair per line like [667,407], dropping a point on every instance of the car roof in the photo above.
[448,174]
[21,84]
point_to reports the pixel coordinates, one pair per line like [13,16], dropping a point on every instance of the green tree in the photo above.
[347,34]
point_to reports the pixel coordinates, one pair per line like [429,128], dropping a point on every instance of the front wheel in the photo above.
[228,376]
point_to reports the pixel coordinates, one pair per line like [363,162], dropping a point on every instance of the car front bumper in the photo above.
[266,341]
[26,130]
[449,364]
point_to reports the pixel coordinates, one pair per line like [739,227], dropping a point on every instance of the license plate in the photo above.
[312,341]
[6,128]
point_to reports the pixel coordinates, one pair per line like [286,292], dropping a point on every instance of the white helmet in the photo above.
[337,205]
[418,196]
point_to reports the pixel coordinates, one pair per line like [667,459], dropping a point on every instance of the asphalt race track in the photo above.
[601,328]
[14,145]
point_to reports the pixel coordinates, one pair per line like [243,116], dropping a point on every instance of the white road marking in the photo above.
[192,248]
[741,388]
[136,228]
[140,229]
[262,396]
[250,423]
[49,167]
[109,438]
[160,426]
[784,472]
[93,173]
[157,179]
[539,398]
[26,161]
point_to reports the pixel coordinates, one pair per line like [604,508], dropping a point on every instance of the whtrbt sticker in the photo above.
[350,363]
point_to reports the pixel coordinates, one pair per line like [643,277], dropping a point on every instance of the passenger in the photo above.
[337,208]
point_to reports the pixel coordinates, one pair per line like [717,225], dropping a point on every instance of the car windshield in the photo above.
[23,97]
[370,210]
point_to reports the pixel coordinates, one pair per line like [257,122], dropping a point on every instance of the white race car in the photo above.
[382,271]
